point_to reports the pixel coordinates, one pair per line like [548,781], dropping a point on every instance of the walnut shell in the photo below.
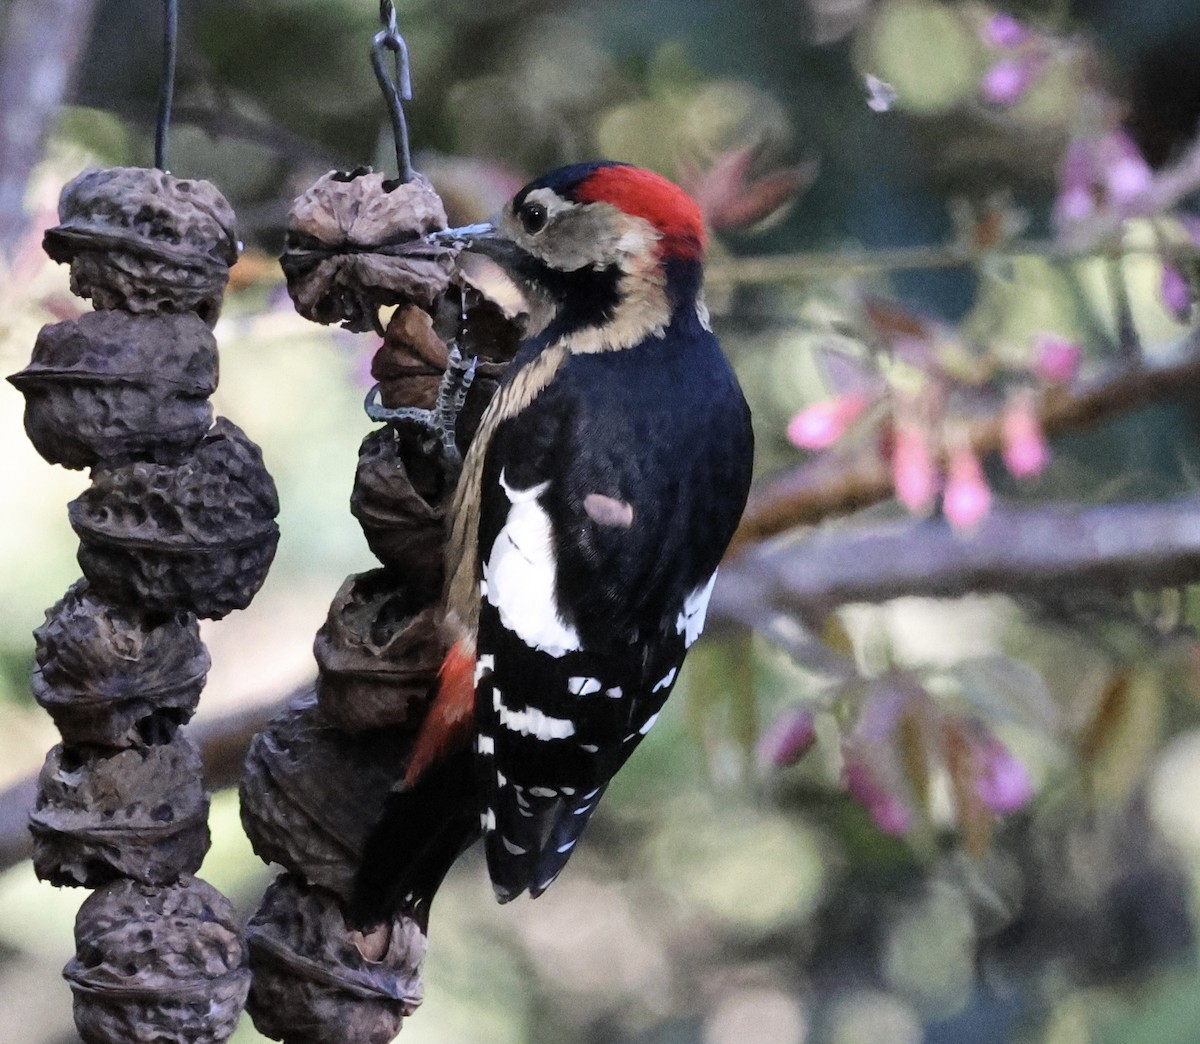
[110,386]
[143,240]
[410,362]
[354,243]
[311,794]
[163,964]
[140,813]
[199,535]
[109,676]
[319,981]
[400,497]
[378,653]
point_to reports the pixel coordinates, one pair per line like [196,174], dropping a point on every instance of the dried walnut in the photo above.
[110,676]
[199,535]
[143,241]
[111,386]
[400,497]
[311,794]
[140,813]
[354,243]
[319,981]
[158,964]
[378,652]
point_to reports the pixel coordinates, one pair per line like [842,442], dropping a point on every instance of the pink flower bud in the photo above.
[1057,358]
[914,473]
[788,738]
[1003,785]
[1077,195]
[1025,451]
[967,499]
[1126,173]
[823,423]
[1003,30]
[1176,293]
[887,811]
[1007,80]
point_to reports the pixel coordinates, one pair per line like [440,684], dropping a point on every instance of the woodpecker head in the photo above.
[601,247]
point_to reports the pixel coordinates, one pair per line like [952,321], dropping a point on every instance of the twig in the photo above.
[223,742]
[1166,191]
[1038,550]
[834,485]
[798,268]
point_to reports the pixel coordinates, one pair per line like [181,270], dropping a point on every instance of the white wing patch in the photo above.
[484,665]
[665,680]
[690,621]
[532,722]
[521,575]
[580,686]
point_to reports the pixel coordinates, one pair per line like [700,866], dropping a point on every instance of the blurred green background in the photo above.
[714,900]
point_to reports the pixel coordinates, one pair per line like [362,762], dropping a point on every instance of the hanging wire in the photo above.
[396,85]
[166,87]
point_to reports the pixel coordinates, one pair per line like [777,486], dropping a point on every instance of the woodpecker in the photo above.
[595,502]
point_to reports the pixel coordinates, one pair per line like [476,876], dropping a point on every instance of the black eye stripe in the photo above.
[532,217]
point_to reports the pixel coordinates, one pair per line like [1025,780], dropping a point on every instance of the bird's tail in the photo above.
[424,828]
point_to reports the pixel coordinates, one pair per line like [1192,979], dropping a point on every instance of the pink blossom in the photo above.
[1074,205]
[1077,197]
[1057,358]
[823,423]
[967,499]
[1025,451]
[789,737]
[732,196]
[1007,80]
[885,809]
[914,473]
[1003,30]
[1002,784]
[1125,171]
[1176,292]
[1109,169]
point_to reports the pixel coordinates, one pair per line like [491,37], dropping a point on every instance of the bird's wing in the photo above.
[597,562]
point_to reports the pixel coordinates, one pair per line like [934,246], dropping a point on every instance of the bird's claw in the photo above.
[440,422]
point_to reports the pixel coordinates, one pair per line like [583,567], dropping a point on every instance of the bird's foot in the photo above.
[440,422]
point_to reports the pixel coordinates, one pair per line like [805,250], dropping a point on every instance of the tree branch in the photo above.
[1031,551]
[832,484]
[804,267]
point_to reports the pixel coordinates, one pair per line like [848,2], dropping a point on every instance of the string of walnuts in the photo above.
[317,779]
[177,525]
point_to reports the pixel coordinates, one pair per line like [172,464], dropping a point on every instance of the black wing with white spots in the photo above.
[606,505]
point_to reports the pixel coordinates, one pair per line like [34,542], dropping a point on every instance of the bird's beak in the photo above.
[484,239]
[465,236]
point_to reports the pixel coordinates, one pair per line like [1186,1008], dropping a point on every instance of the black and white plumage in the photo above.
[605,483]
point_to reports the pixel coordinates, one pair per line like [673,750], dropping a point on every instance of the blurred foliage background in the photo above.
[726,894]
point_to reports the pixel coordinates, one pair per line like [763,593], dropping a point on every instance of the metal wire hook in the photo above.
[166,88]
[396,84]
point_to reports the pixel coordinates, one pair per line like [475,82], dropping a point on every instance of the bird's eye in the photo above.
[532,217]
